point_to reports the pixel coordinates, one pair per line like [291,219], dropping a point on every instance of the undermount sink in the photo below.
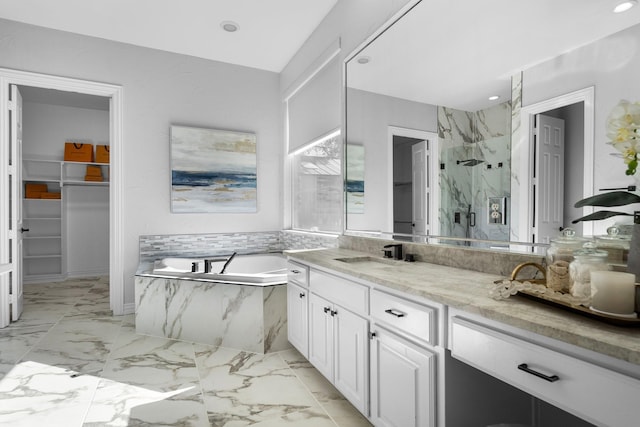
[366,259]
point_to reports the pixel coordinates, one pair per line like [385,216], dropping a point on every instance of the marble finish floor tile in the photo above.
[68,362]
[330,399]
[242,389]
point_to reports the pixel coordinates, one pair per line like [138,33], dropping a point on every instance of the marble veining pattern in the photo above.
[71,364]
[516,151]
[251,318]
[466,187]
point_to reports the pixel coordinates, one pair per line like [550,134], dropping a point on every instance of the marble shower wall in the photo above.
[484,135]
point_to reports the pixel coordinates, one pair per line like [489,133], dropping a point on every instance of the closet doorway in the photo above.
[66,228]
[72,89]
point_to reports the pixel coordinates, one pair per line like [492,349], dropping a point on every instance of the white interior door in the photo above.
[11,296]
[17,297]
[549,177]
[419,170]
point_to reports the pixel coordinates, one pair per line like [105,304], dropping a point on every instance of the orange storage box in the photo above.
[102,154]
[34,191]
[78,152]
[94,170]
[47,195]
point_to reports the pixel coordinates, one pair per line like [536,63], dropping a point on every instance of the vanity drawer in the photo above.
[298,273]
[338,290]
[589,391]
[413,319]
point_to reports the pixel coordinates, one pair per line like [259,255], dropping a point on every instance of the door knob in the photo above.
[22,230]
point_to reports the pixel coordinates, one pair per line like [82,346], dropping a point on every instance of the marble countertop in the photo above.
[469,291]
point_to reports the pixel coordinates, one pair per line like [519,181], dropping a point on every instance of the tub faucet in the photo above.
[224,267]
[395,249]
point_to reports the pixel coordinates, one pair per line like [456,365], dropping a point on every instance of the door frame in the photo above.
[115,93]
[434,177]
[521,197]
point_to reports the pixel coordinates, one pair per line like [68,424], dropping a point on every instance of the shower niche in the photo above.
[475,172]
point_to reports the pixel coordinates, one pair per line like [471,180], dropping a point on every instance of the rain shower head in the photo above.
[469,162]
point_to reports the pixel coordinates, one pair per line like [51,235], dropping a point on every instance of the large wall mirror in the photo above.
[441,106]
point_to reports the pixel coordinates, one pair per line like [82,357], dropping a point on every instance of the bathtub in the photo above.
[257,270]
[244,308]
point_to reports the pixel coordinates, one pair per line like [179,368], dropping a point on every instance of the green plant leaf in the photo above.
[615,198]
[600,215]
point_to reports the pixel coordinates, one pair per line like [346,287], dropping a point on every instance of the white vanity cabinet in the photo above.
[403,362]
[338,335]
[591,392]
[297,306]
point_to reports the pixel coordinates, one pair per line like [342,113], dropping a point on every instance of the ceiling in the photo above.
[458,53]
[270,31]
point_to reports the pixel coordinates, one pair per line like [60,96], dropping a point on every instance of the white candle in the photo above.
[613,291]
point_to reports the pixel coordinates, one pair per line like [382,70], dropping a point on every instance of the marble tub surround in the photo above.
[482,260]
[146,381]
[469,291]
[250,318]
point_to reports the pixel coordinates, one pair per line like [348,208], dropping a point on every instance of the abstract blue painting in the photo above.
[212,171]
[355,179]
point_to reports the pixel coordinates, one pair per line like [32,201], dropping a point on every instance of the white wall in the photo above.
[47,127]
[370,116]
[353,21]
[87,224]
[161,89]
[610,65]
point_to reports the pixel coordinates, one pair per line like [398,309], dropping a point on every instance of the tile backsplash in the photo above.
[154,247]
[157,246]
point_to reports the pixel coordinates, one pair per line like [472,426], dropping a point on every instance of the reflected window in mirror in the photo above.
[317,189]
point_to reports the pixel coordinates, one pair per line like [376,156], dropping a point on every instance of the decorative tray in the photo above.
[535,289]
[581,309]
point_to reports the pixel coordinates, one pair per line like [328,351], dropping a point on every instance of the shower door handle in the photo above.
[472,219]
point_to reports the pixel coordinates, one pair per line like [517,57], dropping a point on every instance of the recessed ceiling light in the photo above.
[364,60]
[494,97]
[625,5]
[229,26]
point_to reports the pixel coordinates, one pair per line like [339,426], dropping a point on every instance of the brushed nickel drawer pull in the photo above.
[394,312]
[295,271]
[527,369]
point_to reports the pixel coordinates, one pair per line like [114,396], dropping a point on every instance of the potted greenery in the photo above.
[623,131]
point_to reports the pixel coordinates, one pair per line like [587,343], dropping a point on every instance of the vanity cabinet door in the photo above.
[297,322]
[351,369]
[339,349]
[403,382]
[321,335]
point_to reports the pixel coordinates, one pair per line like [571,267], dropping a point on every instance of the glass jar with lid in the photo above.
[559,256]
[587,259]
[616,244]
